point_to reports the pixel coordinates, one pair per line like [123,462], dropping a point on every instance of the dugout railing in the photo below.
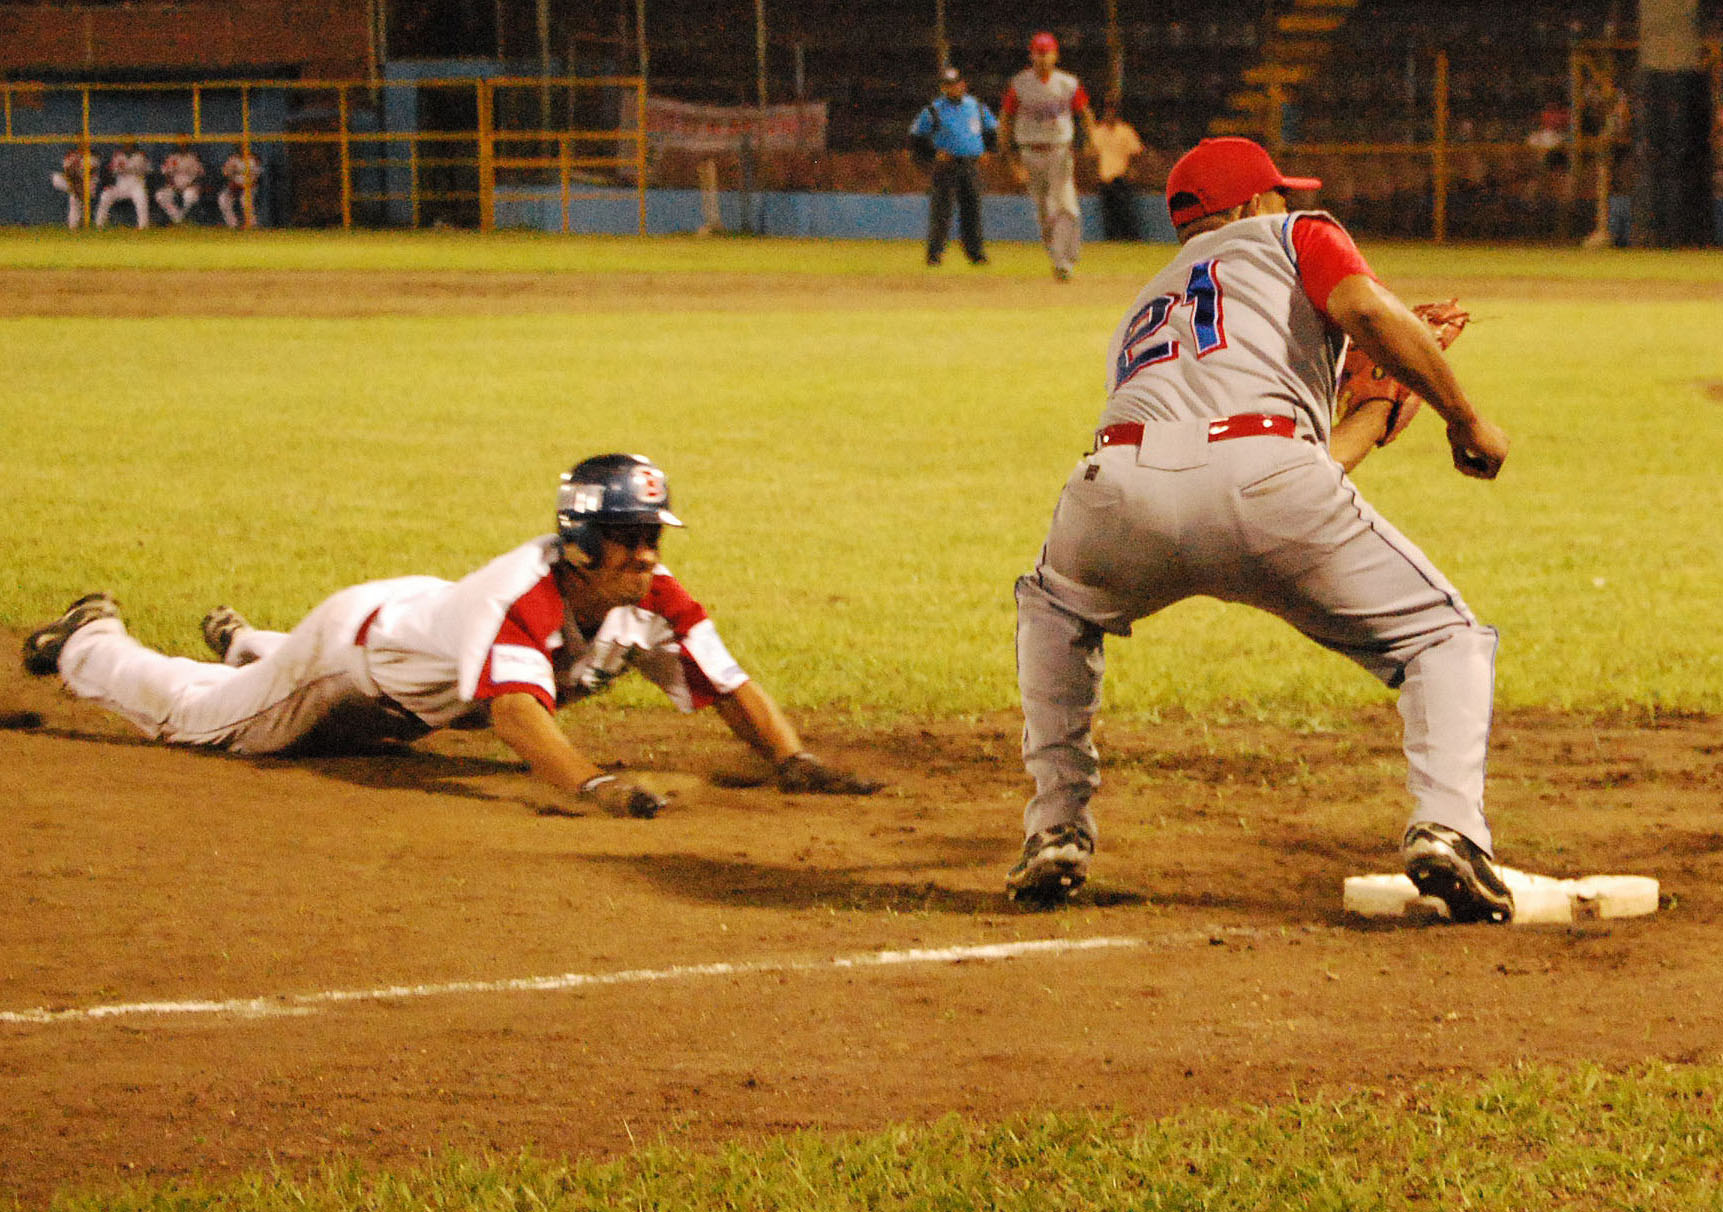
[348,153]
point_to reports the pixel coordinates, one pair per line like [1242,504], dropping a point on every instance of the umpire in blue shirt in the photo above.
[950,134]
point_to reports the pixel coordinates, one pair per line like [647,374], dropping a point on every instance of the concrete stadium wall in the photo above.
[809,215]
[205,39]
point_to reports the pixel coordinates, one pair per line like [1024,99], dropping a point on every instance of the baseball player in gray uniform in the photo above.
[1037,124]
[1217,470]
[555,620]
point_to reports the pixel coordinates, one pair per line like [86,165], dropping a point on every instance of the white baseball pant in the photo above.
[128,189]
[225,201]
[293,683]
[74,200]
[177,211]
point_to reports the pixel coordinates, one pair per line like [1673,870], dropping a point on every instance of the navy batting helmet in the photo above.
[610,490]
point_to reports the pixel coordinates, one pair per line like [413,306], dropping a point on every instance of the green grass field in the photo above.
[862,484]
[1584,1140]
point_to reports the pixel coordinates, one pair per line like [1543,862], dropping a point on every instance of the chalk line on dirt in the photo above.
[310,1003]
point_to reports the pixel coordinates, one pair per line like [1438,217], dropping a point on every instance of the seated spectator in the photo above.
[1550,135]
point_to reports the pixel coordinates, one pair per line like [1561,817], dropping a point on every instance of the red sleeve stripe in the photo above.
[488,689]
[1008,105]
[1080,99]
[668,599]
[1325,256]
[535,616]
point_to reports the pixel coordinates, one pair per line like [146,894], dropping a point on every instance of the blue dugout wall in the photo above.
[1007,217]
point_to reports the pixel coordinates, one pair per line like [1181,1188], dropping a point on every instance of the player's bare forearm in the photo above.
[522,723]
[1402,344]
[1086,118]
[757,720]
[1359,432]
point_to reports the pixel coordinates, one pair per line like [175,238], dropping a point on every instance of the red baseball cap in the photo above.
[1043,42]
[1219,174]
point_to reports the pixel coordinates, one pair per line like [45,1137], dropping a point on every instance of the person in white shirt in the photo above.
[182,189]
[78,174]
[128,167]
[555,620]
[238,197]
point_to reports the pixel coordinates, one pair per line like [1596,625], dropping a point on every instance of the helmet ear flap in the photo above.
[581,544]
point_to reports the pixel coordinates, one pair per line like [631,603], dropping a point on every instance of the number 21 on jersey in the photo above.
[1202,294]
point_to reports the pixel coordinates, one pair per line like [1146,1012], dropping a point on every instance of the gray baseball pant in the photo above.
[1273,523]
[1053,189]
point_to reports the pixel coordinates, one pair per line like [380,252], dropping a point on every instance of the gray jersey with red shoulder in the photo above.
[1227,328]
[1041,110]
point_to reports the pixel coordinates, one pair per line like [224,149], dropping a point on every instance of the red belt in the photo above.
[1245,425]
[365,627]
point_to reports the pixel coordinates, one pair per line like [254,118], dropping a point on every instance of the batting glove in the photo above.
[620,798]
[803,772]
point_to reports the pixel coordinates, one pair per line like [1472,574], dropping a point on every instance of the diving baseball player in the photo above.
[181,191]
[557,619]
[78,173]
[128,167]
[1037,124]
[241,172]
[1216,470]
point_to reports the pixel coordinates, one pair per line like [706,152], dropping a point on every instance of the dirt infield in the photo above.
[327,294]
[133,874]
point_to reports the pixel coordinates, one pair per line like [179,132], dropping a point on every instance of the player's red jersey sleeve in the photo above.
[1008,103]
[676,606]
[1326,256]
[519,660]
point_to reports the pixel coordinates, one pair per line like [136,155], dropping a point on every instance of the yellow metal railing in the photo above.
[1593,65]
[496,160]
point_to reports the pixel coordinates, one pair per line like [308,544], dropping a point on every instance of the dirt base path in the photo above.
[721,965]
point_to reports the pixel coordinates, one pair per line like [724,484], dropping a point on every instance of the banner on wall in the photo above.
[800,126]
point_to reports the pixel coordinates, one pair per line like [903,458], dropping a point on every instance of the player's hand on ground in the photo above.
[618,797]
[803,772]
[1479,448]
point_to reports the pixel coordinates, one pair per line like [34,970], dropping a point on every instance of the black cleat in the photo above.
[1449,866]
[1054,864]
[218,628]
[43,646]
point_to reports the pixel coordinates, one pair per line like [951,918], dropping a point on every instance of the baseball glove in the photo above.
[1362,381]
[803,772]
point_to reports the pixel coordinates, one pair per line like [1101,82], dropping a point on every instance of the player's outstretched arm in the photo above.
[757,720]
[1400,342]
[522,723]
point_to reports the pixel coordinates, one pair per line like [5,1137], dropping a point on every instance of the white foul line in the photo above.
[308,1003]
